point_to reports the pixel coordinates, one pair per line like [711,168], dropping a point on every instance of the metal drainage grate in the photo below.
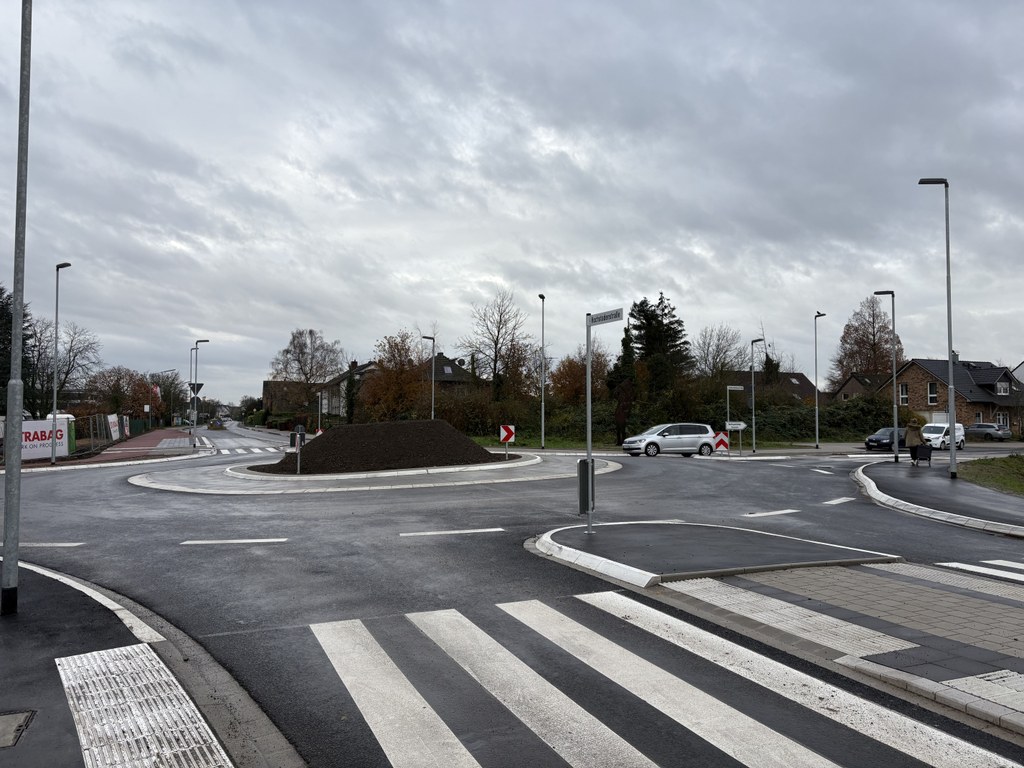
[12,725]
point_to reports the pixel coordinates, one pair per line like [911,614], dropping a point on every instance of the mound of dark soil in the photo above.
[389,445]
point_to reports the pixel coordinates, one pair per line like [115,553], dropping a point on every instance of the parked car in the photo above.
[987,432]
[882,439]
[686,439]
[936,434]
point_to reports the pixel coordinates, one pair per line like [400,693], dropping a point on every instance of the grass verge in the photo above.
[1005,473]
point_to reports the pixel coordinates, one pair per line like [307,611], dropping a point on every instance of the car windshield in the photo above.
[934,429]
[883,433]
[655,430]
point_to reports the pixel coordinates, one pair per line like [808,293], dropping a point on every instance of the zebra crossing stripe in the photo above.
[739,735]
[983,570]
[921,742]
[408,730]
[576,735]
[835,633]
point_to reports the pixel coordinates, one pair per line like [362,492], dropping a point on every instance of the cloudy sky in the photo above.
[236,170]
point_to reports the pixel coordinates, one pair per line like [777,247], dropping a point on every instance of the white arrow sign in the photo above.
[735,426]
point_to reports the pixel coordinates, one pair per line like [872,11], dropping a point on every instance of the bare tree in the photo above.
[397,387]
[308,360]
[866,345]
[78,357]
[499,343]
[718,349]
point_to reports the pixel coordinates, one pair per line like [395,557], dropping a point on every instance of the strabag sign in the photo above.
[37,439]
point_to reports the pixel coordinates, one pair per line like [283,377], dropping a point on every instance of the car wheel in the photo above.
[652,449]
[960,445]
[705,450]
[942,445]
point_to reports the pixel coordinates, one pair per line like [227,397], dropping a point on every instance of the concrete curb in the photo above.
[883,499]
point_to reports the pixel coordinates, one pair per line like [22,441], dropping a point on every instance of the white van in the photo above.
[936,434]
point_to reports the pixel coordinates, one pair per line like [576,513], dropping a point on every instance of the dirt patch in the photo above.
[379,447]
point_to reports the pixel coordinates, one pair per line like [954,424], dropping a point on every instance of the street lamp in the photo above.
[56,328]
[543,371]
[817,314]
[895,399]
[194,386]
[951,392]
[433,364]
[753,412]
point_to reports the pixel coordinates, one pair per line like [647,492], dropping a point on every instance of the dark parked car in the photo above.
[987,432]
[882,439]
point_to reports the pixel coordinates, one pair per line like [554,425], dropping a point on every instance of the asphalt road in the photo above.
[326,575]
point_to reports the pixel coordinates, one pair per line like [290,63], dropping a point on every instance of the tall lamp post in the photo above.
[433,364]
[895,399]
[543,371]
[56,329]
[195,389]
[951,392]
[753,411]
[817,314]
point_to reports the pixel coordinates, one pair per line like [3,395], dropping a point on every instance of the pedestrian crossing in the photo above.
[603,679]
[1010,570]
[255,449]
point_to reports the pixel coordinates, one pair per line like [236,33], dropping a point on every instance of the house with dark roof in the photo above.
[858,384]
[983,391]
[792,383]
[332,392]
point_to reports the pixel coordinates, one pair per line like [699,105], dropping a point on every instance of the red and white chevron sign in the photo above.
[507,433]
[721,440]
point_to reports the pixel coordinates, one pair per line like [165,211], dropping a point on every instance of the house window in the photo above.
[1002,419]
[846,395]
[904,394]
[933,393]
[1002,387]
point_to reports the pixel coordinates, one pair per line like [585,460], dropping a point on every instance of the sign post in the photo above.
[507,434]
[611,316]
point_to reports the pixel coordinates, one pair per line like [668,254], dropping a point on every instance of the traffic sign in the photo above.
[721,440]
[195,386]
[507,434]
[610,316]
[734,388]
[735,426]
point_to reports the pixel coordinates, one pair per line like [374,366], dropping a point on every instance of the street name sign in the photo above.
[610,316]
[735,426]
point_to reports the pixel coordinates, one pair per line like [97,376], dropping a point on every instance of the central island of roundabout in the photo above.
[371,457]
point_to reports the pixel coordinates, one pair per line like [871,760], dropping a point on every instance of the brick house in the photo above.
[984,392]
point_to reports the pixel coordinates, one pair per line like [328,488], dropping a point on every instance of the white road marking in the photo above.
[52,544]
[576,735]
[840,500]
[922,742]
[822,471]
[447,533]
[233,541]
[769,514]
[1005,564]
[987,571]
[742,737]
[409,731]
[844,636]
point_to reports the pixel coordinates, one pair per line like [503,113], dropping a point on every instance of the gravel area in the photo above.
[389,445]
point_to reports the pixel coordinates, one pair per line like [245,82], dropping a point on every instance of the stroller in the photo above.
[924,453]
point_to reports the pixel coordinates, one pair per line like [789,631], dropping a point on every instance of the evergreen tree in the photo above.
[661,343]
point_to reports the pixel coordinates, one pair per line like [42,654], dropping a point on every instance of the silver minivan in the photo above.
[686,439]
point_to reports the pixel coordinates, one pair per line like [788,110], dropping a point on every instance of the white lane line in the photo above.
[840,500]
[447,533]
[130,712]
[986,571]
[769,514]
[232,541]
[905,734]
[844,636]
[576,735]
[1005,564]
[141,630]
[408,730]
[822,471]
[740,736]
[52,543]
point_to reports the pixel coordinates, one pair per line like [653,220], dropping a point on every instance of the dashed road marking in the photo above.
[769,514]
[233,541]
[451,533]
[840,500]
